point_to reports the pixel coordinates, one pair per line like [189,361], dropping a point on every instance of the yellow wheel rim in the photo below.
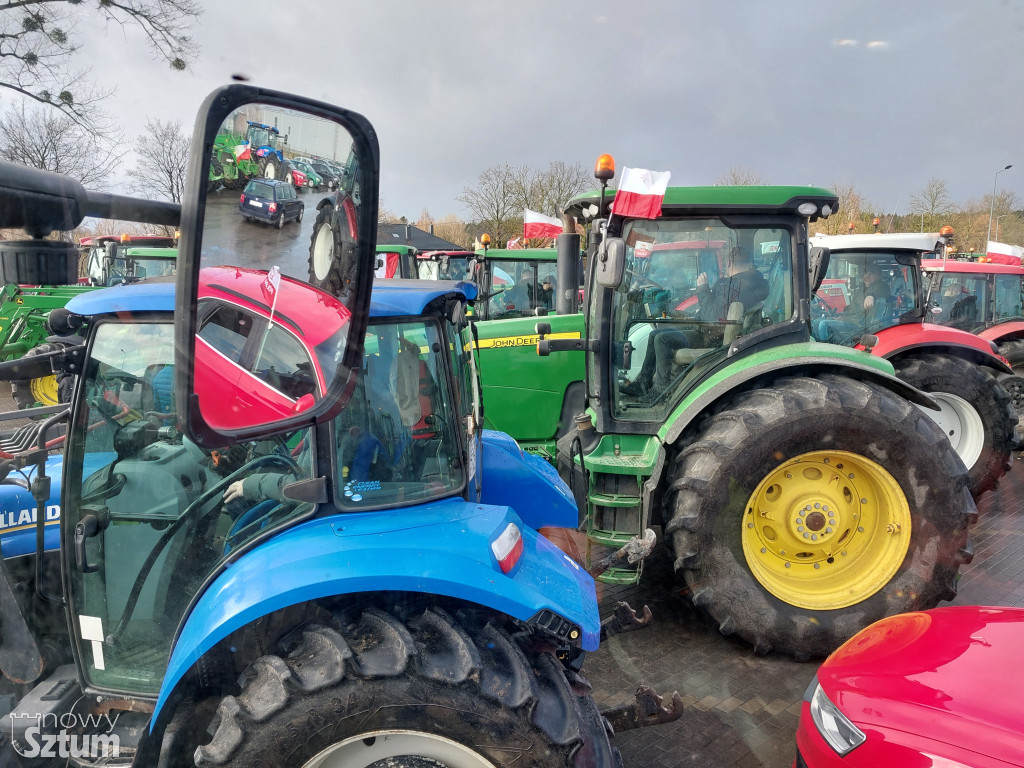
[826,530]
[44,390]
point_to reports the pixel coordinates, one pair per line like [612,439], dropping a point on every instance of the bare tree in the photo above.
[453,230]
[932,203]
[163,161]
[737,176]
[51,141]
[853,209]
[496,201]
[38,47]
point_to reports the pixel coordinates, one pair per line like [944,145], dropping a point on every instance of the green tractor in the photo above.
[518,286]
[802,491]
[237,159]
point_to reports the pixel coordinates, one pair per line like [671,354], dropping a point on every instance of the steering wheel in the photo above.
[200,508]
[823,306]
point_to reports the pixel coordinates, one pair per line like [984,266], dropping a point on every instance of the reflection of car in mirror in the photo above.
[272,201]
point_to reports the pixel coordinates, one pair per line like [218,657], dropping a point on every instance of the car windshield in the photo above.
[397,441]
[863,292]
[692,288]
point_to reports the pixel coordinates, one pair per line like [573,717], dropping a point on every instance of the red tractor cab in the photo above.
[874,297]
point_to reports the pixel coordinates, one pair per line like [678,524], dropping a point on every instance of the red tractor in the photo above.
[984,298]
[873,297]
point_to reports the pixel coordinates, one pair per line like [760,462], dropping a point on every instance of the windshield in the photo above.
[154,267]
[691,288]
[960,300]
[397,441]
[863,292]
[165,512]
[259,137]
[518,288]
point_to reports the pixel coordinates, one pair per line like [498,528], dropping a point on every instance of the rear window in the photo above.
[259,189]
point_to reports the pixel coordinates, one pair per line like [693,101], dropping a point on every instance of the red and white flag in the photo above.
[242,152]
[515,244]
[538,225]
[640,193]
[270,286]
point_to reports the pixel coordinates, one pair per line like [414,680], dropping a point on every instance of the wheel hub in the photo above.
[826,530]
[399,749]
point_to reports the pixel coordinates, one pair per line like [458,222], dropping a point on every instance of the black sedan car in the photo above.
[271,200]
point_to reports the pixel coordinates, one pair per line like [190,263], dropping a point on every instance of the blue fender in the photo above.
[18,511]
[527,483]
[442,548]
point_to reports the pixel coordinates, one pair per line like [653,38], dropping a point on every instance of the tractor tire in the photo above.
[863,471]
[216,176]
[1014,352]
[271,167]
[432,691]
[331,252]
[45,390]
[977,413]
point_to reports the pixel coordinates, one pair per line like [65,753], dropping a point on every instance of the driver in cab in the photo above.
[741,281]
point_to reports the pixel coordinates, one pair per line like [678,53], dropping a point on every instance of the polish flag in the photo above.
[538,225]
[514,244]
[242,152]
[270,286]
[640,193]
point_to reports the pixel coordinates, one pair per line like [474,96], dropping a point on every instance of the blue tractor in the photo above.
[263,147]
[358,582]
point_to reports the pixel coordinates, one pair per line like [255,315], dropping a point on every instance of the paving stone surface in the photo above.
[742,709]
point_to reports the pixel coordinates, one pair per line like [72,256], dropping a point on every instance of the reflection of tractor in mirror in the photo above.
[873,291]
[237,159]
[784,473]
[222,603]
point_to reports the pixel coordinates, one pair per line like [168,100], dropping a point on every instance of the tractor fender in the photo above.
[718,387]
[441,548]
[1004,331]
[527,483]
[331,199]
[898,340]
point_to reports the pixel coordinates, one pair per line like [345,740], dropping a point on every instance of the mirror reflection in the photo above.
[279,263]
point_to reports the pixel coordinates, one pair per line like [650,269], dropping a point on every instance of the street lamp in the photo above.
[992,204]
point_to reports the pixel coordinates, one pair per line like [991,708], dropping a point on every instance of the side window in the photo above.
[284,364]
[227,331]
[547,272]
[1008,297]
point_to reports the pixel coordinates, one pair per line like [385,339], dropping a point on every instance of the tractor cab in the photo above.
[108,260]
[516,282]
[700,288]
[976,296]
[446,265]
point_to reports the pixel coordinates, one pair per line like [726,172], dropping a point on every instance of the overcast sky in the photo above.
[881,95]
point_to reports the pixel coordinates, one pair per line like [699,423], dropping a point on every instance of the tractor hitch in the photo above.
[648,709]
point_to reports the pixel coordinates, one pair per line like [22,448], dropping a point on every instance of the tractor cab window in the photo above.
[863,292]
[692,288]
[146,268]
[397,440]
[519,288]
[1008,298]
[960,300]
[260,137]
[162,513]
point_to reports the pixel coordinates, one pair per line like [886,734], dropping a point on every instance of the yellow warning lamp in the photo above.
[485,240]
[177,234]
[125,238]
[604,168]
[946,231]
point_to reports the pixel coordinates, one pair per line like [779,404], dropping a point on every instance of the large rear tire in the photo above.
[864,472]
[270,167]
[1013,351]
[432,691]
[44,390]
[977,413]
[332,252]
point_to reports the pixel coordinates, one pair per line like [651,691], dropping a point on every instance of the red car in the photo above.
[264,367]
[934,688]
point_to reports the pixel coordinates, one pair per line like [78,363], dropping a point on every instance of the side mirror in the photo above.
[817,266]
[610,262]
[282,285]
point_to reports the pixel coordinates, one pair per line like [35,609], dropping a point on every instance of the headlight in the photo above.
[833,725]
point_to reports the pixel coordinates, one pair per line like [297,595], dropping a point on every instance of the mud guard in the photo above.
[443,548]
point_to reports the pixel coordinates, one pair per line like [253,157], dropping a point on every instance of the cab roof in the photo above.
[972,267]
[410,298]
[923,242]
[682,201]
[521,254]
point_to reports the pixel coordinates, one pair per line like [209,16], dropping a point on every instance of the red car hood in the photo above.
[950,674]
